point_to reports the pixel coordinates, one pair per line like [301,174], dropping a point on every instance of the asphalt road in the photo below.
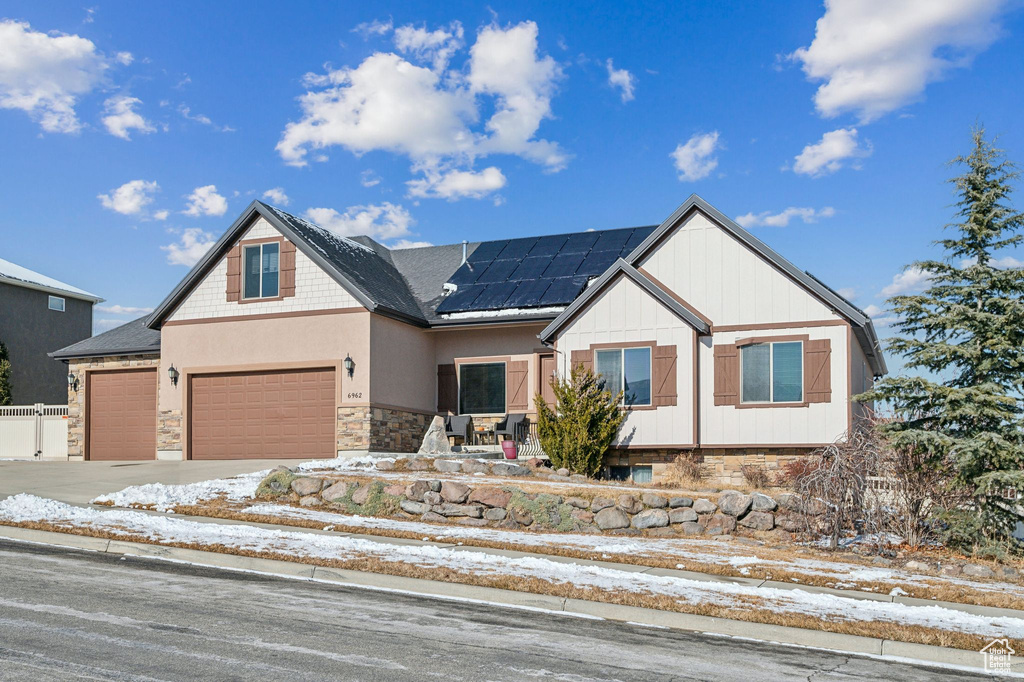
[68,614]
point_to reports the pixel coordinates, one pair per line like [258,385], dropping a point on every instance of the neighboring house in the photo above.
[38,315]
[286,340]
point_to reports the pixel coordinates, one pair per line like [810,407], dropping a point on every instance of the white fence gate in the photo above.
[34,432]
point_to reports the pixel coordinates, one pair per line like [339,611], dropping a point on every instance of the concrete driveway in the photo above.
[79,482]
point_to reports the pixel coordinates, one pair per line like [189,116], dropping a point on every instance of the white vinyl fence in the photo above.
[34,432]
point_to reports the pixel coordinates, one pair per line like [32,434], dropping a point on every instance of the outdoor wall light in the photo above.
[173,374]
[350,365]
[72,381]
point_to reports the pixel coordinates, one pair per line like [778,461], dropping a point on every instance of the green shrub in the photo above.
[5,377]
[585,422]
[547,510]
[276,483]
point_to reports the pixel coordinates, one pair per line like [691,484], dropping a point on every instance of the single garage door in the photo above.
[121,417]
[263,415]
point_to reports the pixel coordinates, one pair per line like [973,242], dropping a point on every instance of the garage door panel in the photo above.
[263,415]
[121,420]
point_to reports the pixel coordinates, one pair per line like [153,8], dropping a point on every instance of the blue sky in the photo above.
[132,134]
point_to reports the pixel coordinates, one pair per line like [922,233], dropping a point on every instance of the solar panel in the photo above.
[548,246]
[493,296]
[462,299]
[612,240]
[564,265]
[639,234]
[530,268]
[487,251]
[497,271]
[528,293]
[563,290]
[468,273]
[517,248]
[597,262]
[580,242]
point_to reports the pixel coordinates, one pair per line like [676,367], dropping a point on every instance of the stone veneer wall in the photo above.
[722,466]
[381,429]
[168,431]
[354,428]
[76,399]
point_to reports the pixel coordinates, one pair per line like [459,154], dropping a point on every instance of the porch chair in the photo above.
[513,426]
[458,427]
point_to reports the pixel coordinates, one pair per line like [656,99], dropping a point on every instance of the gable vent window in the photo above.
[772,372]
[56,303]
[261,264]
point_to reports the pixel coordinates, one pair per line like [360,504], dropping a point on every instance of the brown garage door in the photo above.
[121,415]
[263,415]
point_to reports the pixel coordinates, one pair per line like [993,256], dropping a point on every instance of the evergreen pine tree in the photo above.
[967,329]
[5,377]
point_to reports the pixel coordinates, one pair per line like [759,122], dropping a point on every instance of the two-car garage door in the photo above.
[257,415]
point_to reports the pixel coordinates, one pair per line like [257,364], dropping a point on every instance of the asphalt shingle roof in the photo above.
[133,338]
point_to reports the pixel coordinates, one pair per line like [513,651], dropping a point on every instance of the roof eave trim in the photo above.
[149,350]
[84,296]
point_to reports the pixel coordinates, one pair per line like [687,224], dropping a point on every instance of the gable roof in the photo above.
[372,280]
[133,338]
[10,273]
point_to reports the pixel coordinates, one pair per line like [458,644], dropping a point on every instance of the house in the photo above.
[286,340]
[39,315]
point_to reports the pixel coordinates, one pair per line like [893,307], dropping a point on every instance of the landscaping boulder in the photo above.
[790,501]
[413,507]
[491,497]
[651,518]
[682,515]
[418,465]
[583,515]
[535,462]
[562,472]
[307,486]
[508,469]
[417,489]
[691,528]
[495,514]
[734,503]
[474,466]
[448,509]
[600,503]
[654,501]
[758,520]
[435,485]
[447,466]
[720,524]
[792,523]
[951,570]
[361,494]
[432,498]
[680,502]
[704,506]
[454,492]
[611,518]
[577,502]
[433,517]
[523,518]
[762,503]
[978,571]
[629,504]
[469,521]
[814,507]
[665,532]
[335,492]
[310,501]
[385,465]
[435,441]
[397,490]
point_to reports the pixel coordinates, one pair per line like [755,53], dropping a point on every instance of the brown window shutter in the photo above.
[447,390]
[516,385]
[234,287]
[287,268]
[818,371]
[582,357]
[663,375]
[727,375]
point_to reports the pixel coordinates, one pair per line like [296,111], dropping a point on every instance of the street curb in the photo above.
[817,639]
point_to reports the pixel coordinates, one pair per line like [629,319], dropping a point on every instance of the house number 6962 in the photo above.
[355,395]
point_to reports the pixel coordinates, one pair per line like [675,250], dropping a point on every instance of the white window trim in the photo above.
[622,372]
[771,375]
[458,377]
[51,299]
[260,273]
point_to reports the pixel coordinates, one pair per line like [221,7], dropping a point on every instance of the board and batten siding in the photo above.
[626,313]
[813,424]
[726,281]
[314,289]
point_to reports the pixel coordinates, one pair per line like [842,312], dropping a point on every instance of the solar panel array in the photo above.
[536,272]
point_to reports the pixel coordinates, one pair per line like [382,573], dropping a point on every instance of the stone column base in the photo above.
[170,455]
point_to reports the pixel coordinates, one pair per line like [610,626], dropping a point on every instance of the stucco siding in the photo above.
[314,289]
[627,313]
[402,368]
[812,424]
[726,281]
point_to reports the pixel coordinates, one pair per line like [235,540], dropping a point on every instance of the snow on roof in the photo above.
[15,274]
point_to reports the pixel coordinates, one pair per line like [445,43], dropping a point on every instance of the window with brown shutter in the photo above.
[516,386]
[582,357]
[664,375]
[727,375]
[287,269]
[447,389]
[234,286]
[818,371]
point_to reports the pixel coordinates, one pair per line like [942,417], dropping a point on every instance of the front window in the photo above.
[627,370]
[261,270]
[482,388]
[772,372]
[56,303]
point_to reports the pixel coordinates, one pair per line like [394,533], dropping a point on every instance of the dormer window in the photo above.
[261,263]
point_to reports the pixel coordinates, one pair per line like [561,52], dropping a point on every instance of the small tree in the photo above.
[5,377]
[584,424]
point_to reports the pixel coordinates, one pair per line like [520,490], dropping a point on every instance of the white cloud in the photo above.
[186,113]
[828,155]
[694,159]
[277,195]
[381,221]
[161,214]
[873,310]
[205,201]
[436,47]
[190,247]
[102,325]
[434,114]
[121,117]
[367,29]
[781,219]
[123,310]
[849,293]
[368,178]
[406,244]
[44,74]
[879,317]
[910,280]
[130,198]
[454,184]
[621,79]
[1003,263]
[124,58]
[874,56]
